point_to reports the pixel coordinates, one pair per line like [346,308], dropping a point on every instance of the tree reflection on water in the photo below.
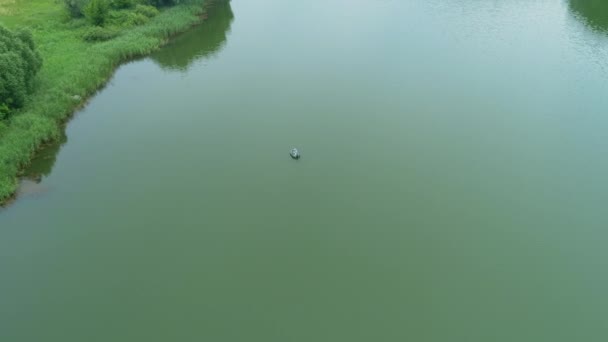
[593,12]
[203,41]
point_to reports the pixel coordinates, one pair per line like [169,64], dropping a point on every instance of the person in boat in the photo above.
[295,154]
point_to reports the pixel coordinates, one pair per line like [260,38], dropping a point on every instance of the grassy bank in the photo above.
[73,70]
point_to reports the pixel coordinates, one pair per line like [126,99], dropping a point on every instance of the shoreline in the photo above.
[40,122]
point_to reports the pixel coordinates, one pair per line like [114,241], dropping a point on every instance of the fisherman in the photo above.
[295,154]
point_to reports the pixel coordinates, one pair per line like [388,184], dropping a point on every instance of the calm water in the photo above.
[453,185]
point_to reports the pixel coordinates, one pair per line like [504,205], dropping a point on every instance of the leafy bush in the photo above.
[161,3]
[5,112]
[75,7]
[135,19]
[99,34]
[78,8]
[120,4]
[148,11]
[127,18]
[97,11]
[19,64]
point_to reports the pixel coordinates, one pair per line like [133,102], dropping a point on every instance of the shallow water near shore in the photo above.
[452,185]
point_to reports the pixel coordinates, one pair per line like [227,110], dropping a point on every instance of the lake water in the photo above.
[453,184]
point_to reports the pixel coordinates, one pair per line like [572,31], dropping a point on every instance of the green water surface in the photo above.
[453,184]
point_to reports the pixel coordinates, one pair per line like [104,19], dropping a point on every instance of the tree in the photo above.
[19,64]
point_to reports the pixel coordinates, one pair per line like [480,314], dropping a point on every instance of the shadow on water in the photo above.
[203,41]
[593,12]
[43,163]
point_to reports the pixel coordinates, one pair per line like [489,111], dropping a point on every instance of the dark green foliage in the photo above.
[99,34]
[4,112]
[163,3]
[78,8]
[75,7]
[121,4]
[19,64]
[97,11]
[148,11]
